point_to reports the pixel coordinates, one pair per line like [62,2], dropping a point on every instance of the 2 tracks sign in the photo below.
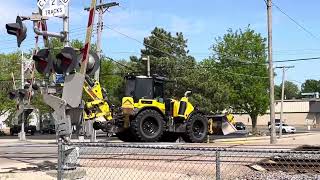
[51,8]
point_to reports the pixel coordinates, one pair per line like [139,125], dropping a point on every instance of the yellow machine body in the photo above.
[181,109]
[98,106]
[145,103]
[129,107]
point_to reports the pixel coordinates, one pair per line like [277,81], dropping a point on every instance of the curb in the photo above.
[261,138]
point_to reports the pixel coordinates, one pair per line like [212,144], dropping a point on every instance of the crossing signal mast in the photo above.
[68,109]
[67,62]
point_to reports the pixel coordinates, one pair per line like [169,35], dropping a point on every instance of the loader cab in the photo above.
[144,87]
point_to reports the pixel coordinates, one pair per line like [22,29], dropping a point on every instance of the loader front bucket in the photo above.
[227,127]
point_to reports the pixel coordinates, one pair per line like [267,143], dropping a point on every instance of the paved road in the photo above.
[27,157]
[102,137]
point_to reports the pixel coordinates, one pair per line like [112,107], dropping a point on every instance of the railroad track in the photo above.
[308,162]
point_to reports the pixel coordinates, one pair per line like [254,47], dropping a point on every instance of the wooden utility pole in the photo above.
[282,96]
[271,72]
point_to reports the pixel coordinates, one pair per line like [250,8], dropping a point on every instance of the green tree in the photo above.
[9,63]
[169,57]
[6,103]
[291,90]
[241,58]
[277,92]
[111,79]
[310,85]
[210,92]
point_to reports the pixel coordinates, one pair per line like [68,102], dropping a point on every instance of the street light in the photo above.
[148,64]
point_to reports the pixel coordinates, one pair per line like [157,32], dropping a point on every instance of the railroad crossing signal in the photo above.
[17,29]
[93,63]
[19,94]
[43,61]
[66,61]
[34,86]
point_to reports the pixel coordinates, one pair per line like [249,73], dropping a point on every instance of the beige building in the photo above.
[295,112]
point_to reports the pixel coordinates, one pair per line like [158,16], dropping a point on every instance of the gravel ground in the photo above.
[254,175]
[26,176]
[294,155]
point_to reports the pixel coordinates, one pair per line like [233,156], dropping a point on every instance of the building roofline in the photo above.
[298,100]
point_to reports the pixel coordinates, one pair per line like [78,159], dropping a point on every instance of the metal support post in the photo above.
[22,135]
[22,70]
[93,134]
[148,64]
[218,173]
[66,41]
[60,159]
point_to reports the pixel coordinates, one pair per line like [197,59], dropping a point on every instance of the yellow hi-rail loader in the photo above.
[146,115]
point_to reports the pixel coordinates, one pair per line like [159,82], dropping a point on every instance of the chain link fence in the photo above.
[170,161]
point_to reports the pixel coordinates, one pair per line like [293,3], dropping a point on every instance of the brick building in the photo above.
[300,112]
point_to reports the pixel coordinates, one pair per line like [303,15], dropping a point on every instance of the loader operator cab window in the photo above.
[158,90]
[130,85]
[144,88]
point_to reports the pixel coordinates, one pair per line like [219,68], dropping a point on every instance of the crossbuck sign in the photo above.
[52,8]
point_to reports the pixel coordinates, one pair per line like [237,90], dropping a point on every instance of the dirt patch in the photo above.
[26,176]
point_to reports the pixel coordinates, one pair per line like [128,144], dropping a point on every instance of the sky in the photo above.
[200,22]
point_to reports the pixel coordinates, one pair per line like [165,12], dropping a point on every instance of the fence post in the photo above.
[218,173]
[60,159]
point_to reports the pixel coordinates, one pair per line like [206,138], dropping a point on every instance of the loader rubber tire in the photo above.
[169,137]
[196,129]
[147,126]
[126,136]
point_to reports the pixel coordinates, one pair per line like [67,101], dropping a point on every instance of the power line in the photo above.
[245,63]
[299,59]
[299,82]
[140,42]
[226,72]
[290,50]
[227,56]
[294,21]
[29,43]
[121,64]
